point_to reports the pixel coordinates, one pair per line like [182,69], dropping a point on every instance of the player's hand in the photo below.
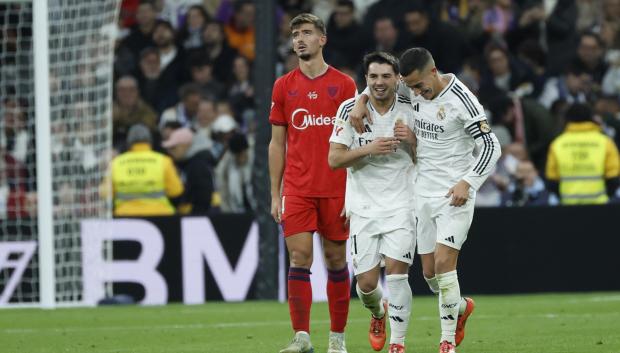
[343,214]
[459,193]
[403,133]
[276,208]
[382,145]
[357,114]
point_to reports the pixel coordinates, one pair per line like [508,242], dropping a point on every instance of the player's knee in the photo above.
[366,284]
[335,259]
[444,264]
[300,258]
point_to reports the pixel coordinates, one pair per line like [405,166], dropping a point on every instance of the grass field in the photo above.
[566,323]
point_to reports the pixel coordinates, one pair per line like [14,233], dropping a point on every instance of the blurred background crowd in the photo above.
[183,69]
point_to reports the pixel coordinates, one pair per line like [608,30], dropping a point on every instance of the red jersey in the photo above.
[307,107]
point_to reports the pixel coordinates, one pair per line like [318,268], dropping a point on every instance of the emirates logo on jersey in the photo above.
[301,119]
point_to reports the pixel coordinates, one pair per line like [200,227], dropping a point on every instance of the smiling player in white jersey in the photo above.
[456,152]
[379,174]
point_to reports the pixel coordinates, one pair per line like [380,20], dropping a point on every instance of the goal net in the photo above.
[81,48]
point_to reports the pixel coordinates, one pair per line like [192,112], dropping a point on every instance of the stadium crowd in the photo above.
[188,65]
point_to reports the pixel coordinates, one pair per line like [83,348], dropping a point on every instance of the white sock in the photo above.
[462,306]
[449,300]
[399,308]
[372,300]
[432,284]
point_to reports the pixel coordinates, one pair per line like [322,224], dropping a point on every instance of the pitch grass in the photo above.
[564,323]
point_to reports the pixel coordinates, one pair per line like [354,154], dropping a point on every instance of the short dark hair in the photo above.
[189,89]
[579,112]
[380,57]
[308,18]
[166,24]
[414,59]
[238,143]
[346,3]
[148,51]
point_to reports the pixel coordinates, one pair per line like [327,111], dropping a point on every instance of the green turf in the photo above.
[566,323]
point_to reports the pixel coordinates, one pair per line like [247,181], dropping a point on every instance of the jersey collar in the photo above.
[448,86]
[372,109]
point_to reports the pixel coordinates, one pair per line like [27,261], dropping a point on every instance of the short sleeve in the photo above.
[342,132]
[276,115]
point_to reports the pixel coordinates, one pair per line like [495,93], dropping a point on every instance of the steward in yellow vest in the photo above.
[143,181]
[583,163]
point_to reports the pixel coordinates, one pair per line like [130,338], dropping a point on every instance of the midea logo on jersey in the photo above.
[301,119]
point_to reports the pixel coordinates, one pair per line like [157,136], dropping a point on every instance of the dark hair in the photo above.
[578,112]
[308,18]
[414,59]
[198,60]
[166,24]
[380,57]
[596,36]
[189,89]
[147,2]
[347,3]
[148,51]
[238,143]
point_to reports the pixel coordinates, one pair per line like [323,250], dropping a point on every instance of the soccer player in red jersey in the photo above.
[303,111]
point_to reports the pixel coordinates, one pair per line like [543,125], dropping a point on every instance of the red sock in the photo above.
[338,295]
[299,298]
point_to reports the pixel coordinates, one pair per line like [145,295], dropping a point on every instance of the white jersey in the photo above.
[377,185]
[449,128]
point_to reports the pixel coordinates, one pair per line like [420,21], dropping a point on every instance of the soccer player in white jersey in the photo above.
[379,167]
[456,152]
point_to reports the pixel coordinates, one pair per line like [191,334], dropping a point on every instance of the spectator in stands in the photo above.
[531,54]
[195,161]
[571,87]
[129,109]
[526,188]
[583,163]
[201,68]
[342,27]
[500,17]
[234,176]
[240,31]
[171,59]
[528,122]
[16,136]
[15,199]
[217,49]
[204,119]
[190,35]
[610,32]
[158,91]
[442,39]
[222,129]
[143,181]
[503,73]
[607,108]
[386,37]
[591,56]
[552,25]
[185,111]
[141,34]
[241,91]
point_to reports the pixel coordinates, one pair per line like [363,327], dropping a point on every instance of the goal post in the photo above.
[56,60]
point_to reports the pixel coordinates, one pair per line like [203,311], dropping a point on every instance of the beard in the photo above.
[305,56]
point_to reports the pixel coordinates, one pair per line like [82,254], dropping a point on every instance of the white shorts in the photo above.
[372,239]
[438,222]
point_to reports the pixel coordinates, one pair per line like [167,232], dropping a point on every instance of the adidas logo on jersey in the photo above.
[450,239]
[407,256]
